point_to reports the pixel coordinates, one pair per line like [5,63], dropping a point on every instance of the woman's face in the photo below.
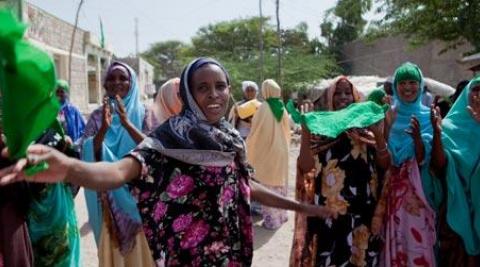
[474,98]
[343,95]
[210,90]
[118,82]
[250,93]
[408,90]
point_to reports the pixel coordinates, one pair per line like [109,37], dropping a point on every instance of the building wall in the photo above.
[144,72]
[54,36]
[383,56]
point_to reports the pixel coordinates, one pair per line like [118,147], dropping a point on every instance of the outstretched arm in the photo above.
[266,197]
[97,176]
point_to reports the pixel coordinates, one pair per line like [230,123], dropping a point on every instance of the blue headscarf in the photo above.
[400,143]
[75,124]
[117,143]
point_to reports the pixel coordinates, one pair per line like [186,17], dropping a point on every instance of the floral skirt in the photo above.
[409,221]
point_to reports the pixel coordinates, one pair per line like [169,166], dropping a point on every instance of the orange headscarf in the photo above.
[333,87]
[167,102]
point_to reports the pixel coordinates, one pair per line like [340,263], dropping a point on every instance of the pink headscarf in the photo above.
[331,91]
[167,102]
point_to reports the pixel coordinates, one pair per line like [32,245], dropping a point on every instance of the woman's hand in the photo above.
[122,111]
[436,119]
[362,136]
[474,107]
[414,130]
[106,114]
[58,166]
[318,211]
[415,133]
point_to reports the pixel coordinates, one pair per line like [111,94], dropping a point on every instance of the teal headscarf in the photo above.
[460,134]
[400,143]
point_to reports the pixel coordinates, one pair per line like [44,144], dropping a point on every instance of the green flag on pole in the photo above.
[27,84]
[102,35]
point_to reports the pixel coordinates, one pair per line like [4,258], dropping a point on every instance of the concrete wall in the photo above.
[384,55]
[54,36]
[144,72]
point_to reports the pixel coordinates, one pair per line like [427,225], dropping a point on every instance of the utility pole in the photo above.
[72,43]
[260,44]
[279,50]
[136,37]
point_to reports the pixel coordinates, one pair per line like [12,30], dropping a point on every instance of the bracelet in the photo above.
[382,150]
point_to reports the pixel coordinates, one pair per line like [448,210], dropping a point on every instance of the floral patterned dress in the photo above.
[409,221]
[346,182]
[193,215]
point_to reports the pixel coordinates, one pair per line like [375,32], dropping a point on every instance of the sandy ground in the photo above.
[272,248]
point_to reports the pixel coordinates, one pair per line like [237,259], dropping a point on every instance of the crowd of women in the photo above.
[173,184]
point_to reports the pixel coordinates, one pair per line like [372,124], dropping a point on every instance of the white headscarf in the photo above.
[246,84]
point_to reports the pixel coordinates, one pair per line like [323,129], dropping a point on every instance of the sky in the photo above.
[161,20]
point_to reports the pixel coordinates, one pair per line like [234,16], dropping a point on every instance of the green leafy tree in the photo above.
[452,21]
[235,43]
[167,58]
[344,23]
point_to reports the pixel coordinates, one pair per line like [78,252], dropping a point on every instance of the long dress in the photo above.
[268,151]
[346,181]
[407,214]
[459,227]
[193,215]
[51,219]
[409,219]
[117,232]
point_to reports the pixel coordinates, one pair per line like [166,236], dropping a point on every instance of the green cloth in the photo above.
[277,107]
[408,71]
[296,115]
[460,134]
[333,123]
[27,83]
[64,85]
[53,228]
[377,96]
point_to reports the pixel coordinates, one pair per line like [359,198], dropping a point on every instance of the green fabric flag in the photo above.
[333,123]
[27,83]
[102,35]
[277,107]
[377,96]
[296,115]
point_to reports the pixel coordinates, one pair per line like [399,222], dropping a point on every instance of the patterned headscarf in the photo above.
[190,138]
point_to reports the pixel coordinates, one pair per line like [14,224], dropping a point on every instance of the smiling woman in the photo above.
[211,91]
